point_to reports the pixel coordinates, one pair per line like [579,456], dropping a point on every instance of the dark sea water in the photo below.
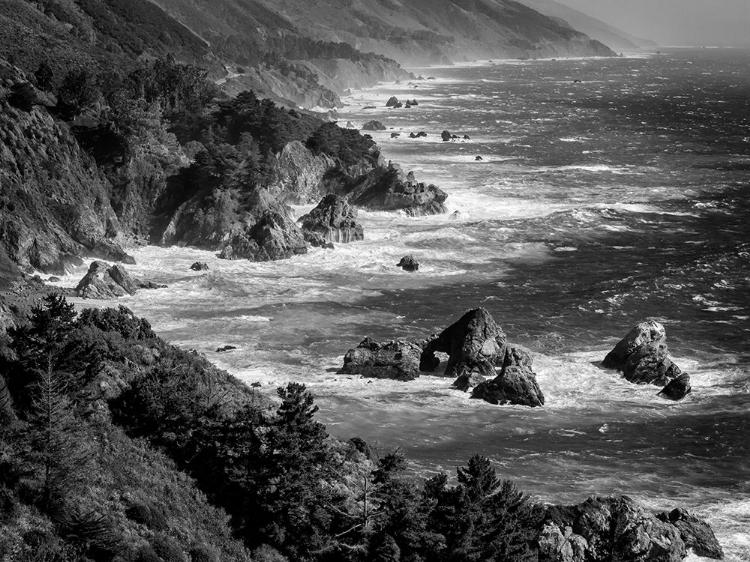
[596,205]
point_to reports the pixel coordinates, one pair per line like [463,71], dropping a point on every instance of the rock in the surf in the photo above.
[103,282]
[397,360]
[199,266]
[446,136]
[677,388]
[645,333]
[474,343]
[387,189]
[514,385]
[273,237]
[605,529]
[408,263]
[373,126]
[392,102]
[643,357]
[334,219]
[695,533]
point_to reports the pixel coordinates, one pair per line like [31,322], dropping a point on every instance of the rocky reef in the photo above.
[643,358]
[477,350]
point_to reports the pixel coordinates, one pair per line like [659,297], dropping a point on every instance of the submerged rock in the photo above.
[390,360]
[334,219]
[514,385]
[224,348]
[103,281]
[408,263]
[199,266]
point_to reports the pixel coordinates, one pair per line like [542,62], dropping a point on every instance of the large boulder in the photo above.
[275,236]
[390,360]
[514,385]
[645,333]
[408,263]
[104,282]
[604,529]
[695,533]
[392,102]
[473,343]
[642,356]
[388,189]
[334,219]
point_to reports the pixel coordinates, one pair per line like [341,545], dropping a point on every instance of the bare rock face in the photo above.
[643,358]
[474,343]
[397,360]
[299,173]
[334,219]
[603,529]
[273,237]
[104,282]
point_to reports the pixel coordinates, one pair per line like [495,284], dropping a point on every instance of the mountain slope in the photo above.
[414,32]
[596,29]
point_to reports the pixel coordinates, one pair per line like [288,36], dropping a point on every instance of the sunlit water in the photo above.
[596,205]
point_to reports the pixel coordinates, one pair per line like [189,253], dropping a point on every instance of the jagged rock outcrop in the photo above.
[397,360]
[55,204]
[474,344]
[392,102]
[642,356]
[334,219]
[408,263]
[387,189]
[103,281]
[274,236]
[603,529]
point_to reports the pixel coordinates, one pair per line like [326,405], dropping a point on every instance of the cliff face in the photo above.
[55,201]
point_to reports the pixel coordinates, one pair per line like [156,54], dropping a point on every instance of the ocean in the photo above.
[609,191]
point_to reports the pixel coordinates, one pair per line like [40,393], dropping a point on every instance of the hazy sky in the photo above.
[675,22]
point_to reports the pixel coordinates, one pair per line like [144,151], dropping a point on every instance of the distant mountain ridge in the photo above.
[596,29]
[413,32]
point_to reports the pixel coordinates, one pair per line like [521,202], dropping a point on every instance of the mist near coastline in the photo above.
[675,22]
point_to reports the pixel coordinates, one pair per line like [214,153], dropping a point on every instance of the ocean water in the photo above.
[596,205]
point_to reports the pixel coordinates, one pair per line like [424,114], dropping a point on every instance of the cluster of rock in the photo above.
[447,136]
[373,126]
[418,135]
[103,281]
[394,103]
[643,358]
[602,529]
[390,189]
[479,358]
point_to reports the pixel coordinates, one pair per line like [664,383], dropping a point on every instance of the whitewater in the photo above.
[609,191]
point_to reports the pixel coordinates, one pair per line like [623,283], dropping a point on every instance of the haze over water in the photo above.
[596,205]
